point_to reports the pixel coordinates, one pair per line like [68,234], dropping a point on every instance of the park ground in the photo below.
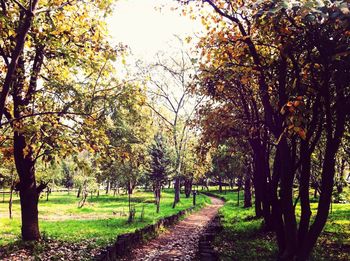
[80,233]
[243,239]
[72,232]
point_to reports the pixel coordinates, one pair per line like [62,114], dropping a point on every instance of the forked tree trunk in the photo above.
[277,219]
[261,174]
[327,182]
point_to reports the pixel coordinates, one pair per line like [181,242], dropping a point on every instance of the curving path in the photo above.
[179,242]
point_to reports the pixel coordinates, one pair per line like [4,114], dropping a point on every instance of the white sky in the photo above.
[146,29]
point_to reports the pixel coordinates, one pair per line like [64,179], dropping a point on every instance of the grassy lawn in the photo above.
[243,239]
[99,221]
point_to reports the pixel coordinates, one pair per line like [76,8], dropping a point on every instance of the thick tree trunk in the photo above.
[188,187]
[286,195]
[28,191]
[220,184]
[29,212]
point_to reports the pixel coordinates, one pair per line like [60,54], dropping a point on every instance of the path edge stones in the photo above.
[206,251]
[126,242]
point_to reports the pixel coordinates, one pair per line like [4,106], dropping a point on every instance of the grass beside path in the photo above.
[242,238]
[99,221]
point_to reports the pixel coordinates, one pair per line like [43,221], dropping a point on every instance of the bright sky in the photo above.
[146,29]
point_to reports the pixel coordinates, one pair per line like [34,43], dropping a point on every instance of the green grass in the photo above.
[100,220]
[243,239]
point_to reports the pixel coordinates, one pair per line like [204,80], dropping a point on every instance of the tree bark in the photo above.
[220,184]
[22,32]
[286,195]
[79,191]
[277,218]
[28,191]
[177,191]
[108,187]
[305,157]
[247,192]
[188,187]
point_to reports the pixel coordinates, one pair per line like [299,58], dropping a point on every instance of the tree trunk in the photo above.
[47,193]
[261,176]
[277,219]
[29,212]
[286,195]
[28,191]
[108,186]
[305,157]
[130,189]
[327,182]
[177,191]
[79,191]
[220,185]
[157,197]
[188,187]
[247,192]
[10,200]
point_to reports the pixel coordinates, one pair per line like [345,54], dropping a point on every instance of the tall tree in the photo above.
[170,85]
[293,58]
[54,57]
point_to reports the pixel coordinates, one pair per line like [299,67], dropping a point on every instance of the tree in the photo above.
[292,58]
[159,167]
[170,85]
[50,68]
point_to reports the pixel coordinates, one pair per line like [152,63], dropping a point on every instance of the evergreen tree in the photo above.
[159,167]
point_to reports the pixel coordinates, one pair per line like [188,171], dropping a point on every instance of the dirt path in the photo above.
[180,242]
